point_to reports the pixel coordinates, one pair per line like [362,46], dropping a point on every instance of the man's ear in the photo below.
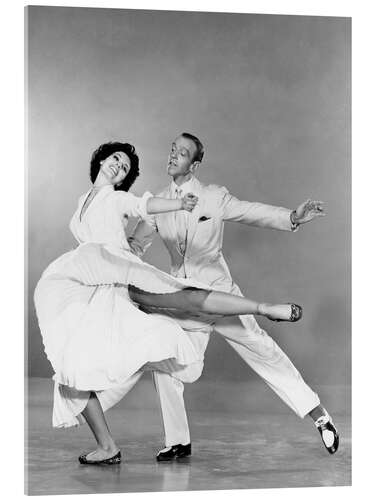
[194,166]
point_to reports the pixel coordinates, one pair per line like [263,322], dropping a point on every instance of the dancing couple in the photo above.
[106,316]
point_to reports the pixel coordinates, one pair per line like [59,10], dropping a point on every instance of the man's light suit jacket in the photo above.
[203,260]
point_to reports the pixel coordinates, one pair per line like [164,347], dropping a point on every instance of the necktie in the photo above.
[181,225]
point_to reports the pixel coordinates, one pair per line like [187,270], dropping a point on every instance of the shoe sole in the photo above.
[171,459]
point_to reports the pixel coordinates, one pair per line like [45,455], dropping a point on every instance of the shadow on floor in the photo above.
[238,449]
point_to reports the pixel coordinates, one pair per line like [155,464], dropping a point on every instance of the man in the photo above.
[194,242]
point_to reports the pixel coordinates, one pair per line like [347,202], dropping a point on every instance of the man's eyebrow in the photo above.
[183,148]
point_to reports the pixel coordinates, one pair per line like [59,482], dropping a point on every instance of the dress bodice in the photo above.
[105,219]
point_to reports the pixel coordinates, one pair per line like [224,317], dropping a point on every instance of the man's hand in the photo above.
[307,211]
[189,201]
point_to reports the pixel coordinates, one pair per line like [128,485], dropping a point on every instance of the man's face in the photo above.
[181,157]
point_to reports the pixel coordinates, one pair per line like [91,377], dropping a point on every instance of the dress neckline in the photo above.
[82,212]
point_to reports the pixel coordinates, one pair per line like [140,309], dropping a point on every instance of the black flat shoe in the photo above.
[174,452]
[116,459]
[328,433]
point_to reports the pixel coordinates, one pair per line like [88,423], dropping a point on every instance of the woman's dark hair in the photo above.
[106,150]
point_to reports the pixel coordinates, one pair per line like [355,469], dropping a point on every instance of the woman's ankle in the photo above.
[108,446]
[262,309]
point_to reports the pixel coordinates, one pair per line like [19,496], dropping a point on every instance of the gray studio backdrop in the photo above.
[269,96]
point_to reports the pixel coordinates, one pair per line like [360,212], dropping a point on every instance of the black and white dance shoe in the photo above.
[174,452]
[277,312]
[328,432]
[116,459]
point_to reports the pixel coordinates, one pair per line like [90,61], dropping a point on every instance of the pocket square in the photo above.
[203,218]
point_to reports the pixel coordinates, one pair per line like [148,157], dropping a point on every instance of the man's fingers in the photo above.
[319,213]
[319,204]
[191,196]
[315,205]
[190,201]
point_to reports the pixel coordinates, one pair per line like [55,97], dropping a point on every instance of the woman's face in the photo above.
[115,167]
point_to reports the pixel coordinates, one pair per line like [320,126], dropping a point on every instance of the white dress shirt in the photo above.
[181,215]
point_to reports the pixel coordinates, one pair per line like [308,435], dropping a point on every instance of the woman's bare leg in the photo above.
[210,302]
[94,416]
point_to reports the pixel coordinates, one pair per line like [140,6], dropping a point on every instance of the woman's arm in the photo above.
[156,205]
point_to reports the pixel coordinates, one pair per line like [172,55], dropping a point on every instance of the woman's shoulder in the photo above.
[112,196]
[121,198]
[120,194]
[126,195]
[131,204]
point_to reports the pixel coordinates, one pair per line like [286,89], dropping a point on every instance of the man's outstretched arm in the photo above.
[269,216]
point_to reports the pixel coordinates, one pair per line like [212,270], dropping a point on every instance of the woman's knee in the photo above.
[190,373]
[196,298]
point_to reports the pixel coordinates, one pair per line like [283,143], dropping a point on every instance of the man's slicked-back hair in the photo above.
[200,149]
[108,149]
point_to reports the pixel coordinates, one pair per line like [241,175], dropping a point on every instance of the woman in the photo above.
[94,334]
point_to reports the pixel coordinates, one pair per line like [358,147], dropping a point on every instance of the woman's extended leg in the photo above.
[196,300]
[94,416]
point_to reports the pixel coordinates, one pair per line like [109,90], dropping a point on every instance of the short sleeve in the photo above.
[131,205]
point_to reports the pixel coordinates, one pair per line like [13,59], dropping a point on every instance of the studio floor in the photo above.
[236,447]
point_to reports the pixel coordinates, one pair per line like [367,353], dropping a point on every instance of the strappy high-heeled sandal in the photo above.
[295,315]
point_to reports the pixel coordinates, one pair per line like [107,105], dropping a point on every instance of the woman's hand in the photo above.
[188,202]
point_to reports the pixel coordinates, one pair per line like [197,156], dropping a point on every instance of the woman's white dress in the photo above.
[94,335]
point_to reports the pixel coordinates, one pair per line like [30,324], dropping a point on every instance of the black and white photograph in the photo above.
[188,262]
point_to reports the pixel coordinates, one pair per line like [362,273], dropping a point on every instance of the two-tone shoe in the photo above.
[116,459]
[328,433]
[174,452]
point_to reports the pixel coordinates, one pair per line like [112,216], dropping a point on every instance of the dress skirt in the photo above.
[95,337]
